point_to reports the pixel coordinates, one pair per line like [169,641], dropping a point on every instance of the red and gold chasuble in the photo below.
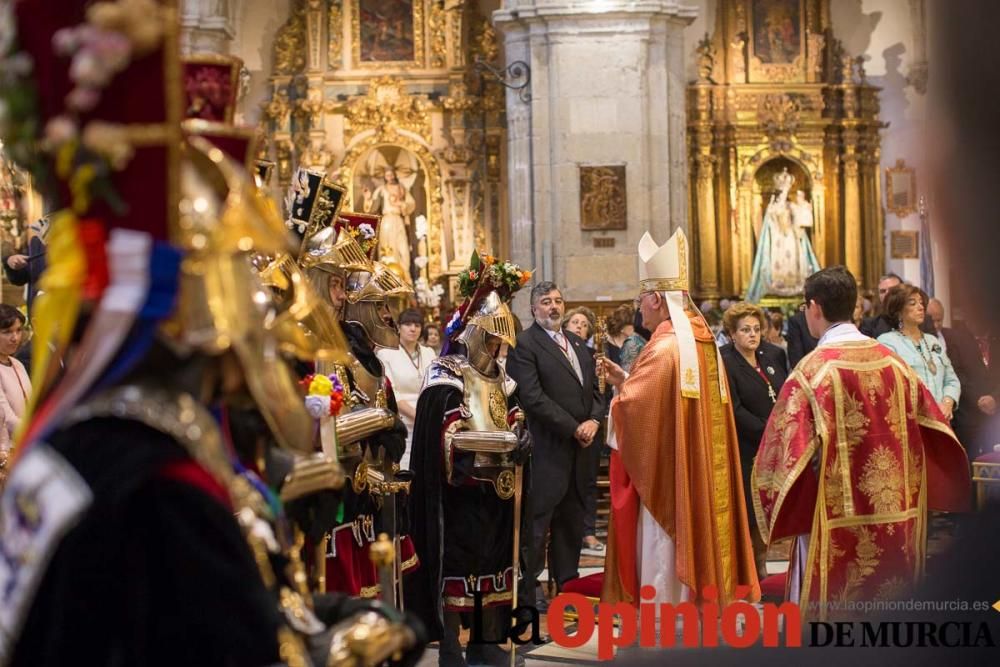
[855,453]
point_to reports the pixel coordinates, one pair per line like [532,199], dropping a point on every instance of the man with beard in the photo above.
[558,389]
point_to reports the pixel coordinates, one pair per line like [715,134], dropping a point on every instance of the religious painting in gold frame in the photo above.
[603,198]
[900,189]
[388,33]
[777,40]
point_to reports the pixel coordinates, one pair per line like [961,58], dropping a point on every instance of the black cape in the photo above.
[156,572]
[457,530]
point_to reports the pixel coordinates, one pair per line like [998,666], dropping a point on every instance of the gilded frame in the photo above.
[900,189]
[419,56]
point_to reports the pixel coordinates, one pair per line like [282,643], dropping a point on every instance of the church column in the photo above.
[703,164]
[207,26]
[707,239]
[607,90]
[852,209]
[849,159]
[311,139]
[519,162]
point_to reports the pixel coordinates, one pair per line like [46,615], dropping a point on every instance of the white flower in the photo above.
[366,230]
[318,406]
[420,226]
[420,261]
[88,70]
[65,41]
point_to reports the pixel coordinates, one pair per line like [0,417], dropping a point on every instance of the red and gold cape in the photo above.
[854,454]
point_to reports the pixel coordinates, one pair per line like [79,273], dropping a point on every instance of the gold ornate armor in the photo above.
[483,428]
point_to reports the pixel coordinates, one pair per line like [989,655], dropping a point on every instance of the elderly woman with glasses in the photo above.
[756,371]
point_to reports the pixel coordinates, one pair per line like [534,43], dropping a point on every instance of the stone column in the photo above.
[207,26]
[607,88]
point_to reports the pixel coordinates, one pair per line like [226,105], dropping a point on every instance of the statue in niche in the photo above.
[394,202]
[785,256]
[391,181]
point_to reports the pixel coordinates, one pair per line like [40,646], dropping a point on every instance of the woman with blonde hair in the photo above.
[581,321]
[756,373]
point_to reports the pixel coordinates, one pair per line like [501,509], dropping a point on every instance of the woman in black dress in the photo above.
[756,371]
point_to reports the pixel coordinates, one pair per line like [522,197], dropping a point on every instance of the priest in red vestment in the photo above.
[678,517]
[855,453]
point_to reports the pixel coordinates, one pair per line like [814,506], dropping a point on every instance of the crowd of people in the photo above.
[240,444]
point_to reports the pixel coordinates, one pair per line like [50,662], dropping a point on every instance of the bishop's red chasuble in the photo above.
[855,453]
[679,459]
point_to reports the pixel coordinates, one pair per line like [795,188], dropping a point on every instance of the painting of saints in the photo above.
[777,31]
[386,30]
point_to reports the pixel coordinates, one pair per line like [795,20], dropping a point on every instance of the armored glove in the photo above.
[392,439]
[523,451]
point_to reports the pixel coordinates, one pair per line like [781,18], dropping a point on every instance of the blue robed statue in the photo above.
[785,255]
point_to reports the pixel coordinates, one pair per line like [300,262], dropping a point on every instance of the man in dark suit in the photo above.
[25,268]
[557,388]
[800,341]
[974,359]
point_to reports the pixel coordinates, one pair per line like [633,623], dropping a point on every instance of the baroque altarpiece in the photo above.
[776,92]
[394,100]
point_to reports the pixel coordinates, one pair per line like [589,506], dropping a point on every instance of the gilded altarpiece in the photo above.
[775,90]
[386,94]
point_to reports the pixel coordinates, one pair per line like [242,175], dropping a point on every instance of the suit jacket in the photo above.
[977,380]
[800,341]
[30,274]
[752,404]
[555,403]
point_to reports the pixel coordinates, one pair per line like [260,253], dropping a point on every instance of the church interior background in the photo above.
[556,133]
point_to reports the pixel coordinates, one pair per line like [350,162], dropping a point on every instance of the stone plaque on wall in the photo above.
[602,198]
[904,245]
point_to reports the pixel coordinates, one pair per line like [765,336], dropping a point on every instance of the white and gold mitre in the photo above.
[664,269]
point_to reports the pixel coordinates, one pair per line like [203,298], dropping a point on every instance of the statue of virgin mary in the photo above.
[785,256]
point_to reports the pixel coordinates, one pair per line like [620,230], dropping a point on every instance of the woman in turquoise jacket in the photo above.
[905,308]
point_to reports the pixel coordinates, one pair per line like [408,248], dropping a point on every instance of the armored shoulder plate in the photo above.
[447,371]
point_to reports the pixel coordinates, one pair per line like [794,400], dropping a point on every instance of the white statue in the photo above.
[785,256]
[394,202]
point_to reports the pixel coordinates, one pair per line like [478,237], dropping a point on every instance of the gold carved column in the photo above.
[703,166]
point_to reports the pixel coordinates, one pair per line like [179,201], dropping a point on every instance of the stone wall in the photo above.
[607,88]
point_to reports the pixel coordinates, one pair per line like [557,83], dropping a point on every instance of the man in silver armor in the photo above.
[468,437]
